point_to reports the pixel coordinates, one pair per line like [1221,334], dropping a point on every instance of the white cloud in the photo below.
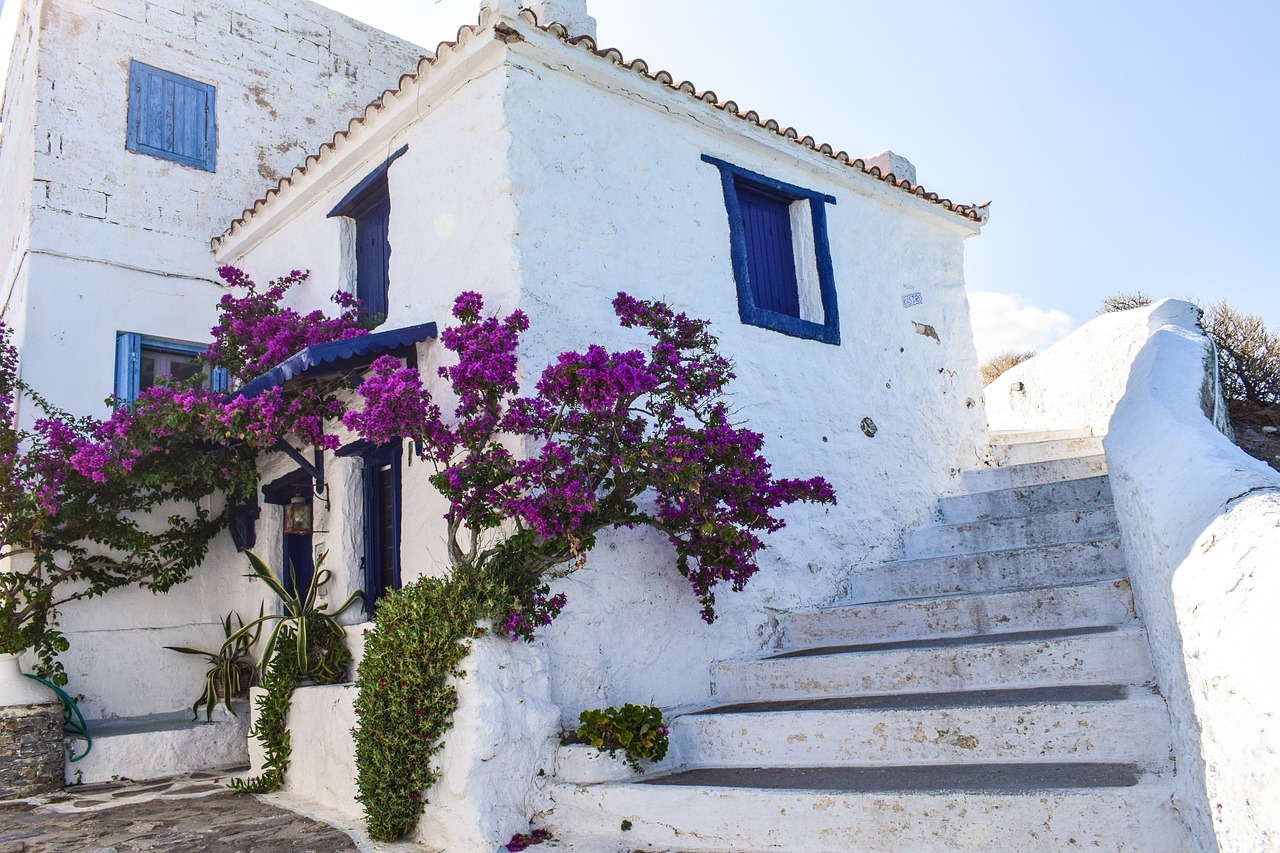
[1004,322]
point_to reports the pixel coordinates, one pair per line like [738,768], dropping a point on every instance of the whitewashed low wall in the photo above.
[1077,382]
[502,743]
[1201,526]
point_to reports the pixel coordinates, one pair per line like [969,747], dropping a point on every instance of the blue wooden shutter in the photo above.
[172,117]
[128,353]
[373,252]
[219,379]
[771,265]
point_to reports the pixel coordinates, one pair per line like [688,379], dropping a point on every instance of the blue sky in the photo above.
[1124,145]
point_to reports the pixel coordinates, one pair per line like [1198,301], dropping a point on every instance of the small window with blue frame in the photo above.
[780,254]
[143,362]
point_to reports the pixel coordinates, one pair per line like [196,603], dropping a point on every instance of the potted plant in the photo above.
[231,668]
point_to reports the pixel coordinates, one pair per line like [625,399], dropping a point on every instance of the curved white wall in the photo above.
[1200,521]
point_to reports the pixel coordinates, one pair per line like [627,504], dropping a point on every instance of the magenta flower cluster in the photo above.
[525,840]
[255,332]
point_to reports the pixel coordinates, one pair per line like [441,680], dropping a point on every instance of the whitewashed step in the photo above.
[1015,476]
[1104,655]
[1086,493]
[1022,436]
[1002,534]
[1108,602]
[1039,725]
[1020,568]
[1024,452]
[1136,819]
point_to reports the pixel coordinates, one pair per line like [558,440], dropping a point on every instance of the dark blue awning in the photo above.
[340,356]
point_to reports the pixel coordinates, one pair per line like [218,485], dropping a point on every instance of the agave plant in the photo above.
[232,671]
[319,642]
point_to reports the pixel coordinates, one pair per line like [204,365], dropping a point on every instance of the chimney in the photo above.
[897,164]
[571,13]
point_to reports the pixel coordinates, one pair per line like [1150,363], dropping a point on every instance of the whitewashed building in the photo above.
[524,162]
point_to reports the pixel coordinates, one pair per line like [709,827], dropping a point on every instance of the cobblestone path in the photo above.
[194,814]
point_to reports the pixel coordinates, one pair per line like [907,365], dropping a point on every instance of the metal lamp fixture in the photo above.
[298,517]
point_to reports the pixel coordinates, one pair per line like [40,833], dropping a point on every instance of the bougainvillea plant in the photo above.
[78,495]
[611,439]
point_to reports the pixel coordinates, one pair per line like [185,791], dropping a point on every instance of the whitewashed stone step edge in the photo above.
[1020,436]
[1107,602]
[1002,534]
[1017,502]
[1113,657]
[1140,819]
[1122,730]
[989,479]
[991,571]
[1022,452]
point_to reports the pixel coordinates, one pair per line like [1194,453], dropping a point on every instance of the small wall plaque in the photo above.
[912,299]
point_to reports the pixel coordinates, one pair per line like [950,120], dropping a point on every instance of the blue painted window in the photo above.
[780,253]
[172,117]
[368,204]
[142,361]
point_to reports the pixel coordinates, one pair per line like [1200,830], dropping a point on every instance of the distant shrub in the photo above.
[1248,354]
[1005,360]
[1125,301]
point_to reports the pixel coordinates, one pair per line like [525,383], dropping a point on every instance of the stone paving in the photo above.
[191,813]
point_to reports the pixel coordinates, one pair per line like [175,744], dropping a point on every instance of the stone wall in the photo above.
[30,750]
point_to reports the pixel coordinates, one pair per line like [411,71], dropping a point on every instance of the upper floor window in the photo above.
[780,253]
[142,362]
[368,205]
[171,117]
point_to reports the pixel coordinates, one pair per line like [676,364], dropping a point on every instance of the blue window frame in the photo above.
[172,117]
[380,562]
[368,204]
[780,253]
[141,361]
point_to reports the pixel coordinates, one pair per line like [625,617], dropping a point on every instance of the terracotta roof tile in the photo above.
[975,213]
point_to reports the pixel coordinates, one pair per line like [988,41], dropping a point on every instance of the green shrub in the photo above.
[421,635]
[637,731]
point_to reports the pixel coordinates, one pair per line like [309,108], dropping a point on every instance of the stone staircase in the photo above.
[990,691]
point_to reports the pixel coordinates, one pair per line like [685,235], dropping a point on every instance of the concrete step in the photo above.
[1018,568]
[1086,493]
[1001,534]
[1101,655]
[1038,725]
[1108,602]
[1020,436]
[1016,476]
[1015,810]
[1023,452]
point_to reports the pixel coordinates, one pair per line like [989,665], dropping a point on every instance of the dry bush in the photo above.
[1248,354]
[1001,363]
[1125,301]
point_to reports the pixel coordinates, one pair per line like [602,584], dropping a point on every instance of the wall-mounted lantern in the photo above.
[297,516]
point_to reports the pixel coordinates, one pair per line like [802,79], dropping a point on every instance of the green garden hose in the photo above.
[77,728]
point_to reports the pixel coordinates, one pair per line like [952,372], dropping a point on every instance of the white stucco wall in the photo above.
[1200,521]
[17,154]
[1069,385]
